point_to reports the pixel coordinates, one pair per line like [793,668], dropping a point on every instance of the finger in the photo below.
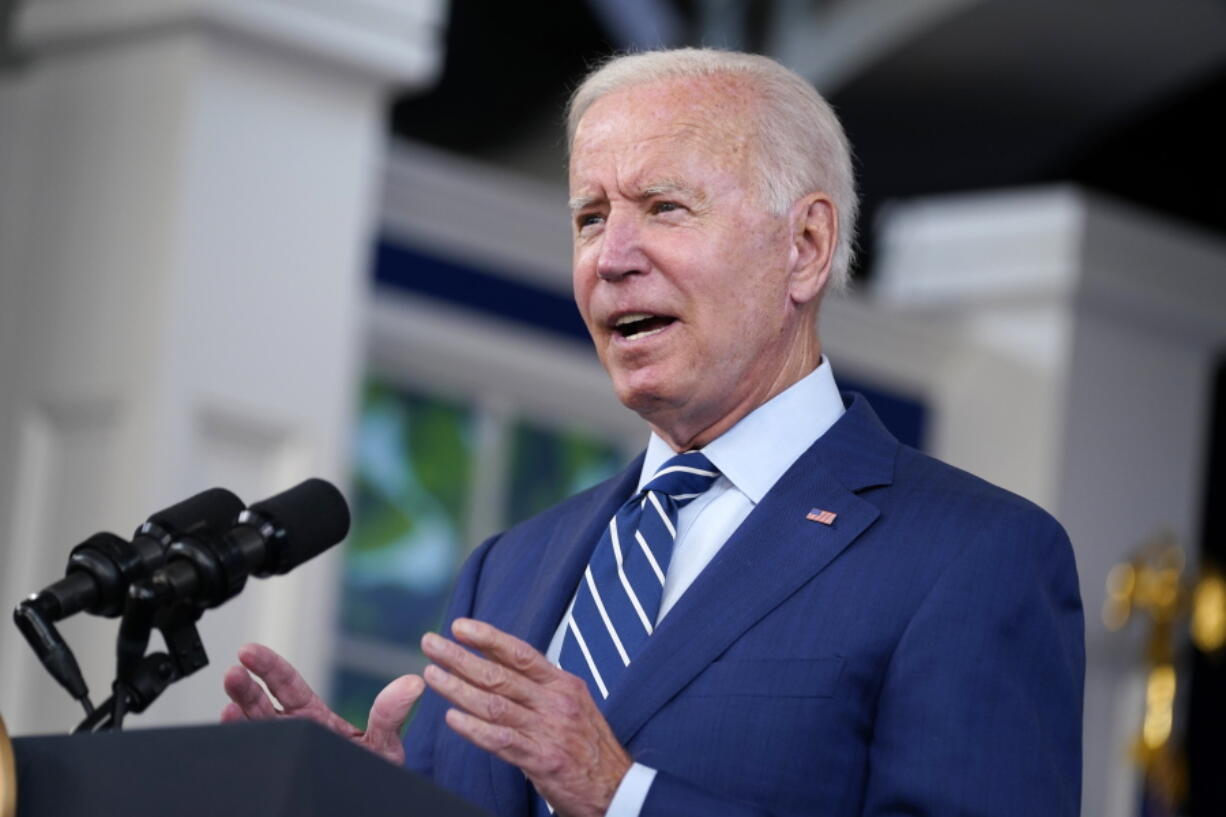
[388,714]
[504,648]
[232,713]
[247,695]
[283,681]
[485,705]
[502,741]
[478,671]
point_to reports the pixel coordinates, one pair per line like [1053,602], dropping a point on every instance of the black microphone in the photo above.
[101,568]
[100,571]
[270,537]
[204,570]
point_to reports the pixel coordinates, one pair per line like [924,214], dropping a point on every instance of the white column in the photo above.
[1075,340]
[995,276]
[185,216]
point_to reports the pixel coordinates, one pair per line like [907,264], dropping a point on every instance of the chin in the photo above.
[641,395]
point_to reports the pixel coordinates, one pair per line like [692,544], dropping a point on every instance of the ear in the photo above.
[815,232]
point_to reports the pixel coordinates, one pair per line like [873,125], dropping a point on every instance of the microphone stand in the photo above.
[140,678]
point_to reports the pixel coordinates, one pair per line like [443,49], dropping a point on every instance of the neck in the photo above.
[688,433]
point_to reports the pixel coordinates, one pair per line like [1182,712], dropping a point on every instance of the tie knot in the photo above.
[684,477]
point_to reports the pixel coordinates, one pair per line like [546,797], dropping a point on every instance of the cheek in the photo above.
[581,285]
[737,330]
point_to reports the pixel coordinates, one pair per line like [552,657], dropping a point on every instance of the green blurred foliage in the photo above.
[548,465]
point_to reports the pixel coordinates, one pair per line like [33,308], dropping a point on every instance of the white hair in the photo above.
[801,144]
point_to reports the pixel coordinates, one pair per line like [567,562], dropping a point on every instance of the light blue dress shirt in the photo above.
[751,457]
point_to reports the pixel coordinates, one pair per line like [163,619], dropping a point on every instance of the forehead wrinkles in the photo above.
[705,123]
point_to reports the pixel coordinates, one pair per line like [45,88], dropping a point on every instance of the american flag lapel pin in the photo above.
[818,515]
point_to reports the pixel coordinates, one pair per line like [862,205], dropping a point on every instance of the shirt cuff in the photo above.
[632,792]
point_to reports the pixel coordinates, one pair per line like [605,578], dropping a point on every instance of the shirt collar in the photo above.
[756,452]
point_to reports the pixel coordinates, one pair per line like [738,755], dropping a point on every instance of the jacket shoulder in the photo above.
[921,479]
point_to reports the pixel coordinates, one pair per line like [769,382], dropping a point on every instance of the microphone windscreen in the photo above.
[310,518]
[213,510]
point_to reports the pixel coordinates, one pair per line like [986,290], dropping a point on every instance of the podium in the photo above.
[268,768]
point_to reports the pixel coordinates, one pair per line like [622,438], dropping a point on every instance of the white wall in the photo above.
[184,228]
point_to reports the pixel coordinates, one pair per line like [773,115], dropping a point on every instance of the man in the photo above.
[840,626]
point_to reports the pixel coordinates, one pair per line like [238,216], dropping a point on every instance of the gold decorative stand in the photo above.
[8,774]
[1152,584]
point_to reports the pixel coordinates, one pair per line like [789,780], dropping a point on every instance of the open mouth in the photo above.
[641,324]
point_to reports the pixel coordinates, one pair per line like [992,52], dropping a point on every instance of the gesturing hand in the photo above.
[249,702]
[514,703]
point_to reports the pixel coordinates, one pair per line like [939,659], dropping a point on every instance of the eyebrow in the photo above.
[661,188]
[578,203]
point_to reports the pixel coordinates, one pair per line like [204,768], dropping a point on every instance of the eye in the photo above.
[584,220]
[658,207]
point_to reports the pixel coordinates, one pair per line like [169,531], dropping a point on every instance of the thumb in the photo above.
[388,714]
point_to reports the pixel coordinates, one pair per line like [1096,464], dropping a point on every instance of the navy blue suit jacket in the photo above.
[922,655]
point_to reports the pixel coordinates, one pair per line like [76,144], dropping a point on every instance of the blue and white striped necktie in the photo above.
[618,599]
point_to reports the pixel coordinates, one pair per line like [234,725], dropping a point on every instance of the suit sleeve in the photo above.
[423,730]
[979,711]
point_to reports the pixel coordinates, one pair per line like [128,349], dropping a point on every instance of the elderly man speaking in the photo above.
[777,609]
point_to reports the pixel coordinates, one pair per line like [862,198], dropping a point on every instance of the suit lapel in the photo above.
[560,564]
[566,554]
[774,552]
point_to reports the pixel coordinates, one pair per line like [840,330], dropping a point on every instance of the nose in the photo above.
[621,247]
